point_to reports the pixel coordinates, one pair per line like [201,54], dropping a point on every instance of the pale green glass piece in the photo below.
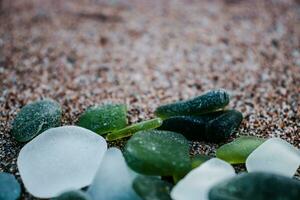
[237,151]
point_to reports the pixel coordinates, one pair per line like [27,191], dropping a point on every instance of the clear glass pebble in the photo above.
[60,159]
[113,179]
[274,156]
[197,183]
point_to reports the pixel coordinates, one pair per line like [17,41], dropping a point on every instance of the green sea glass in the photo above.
[237,151]
[160,153]
[104,119]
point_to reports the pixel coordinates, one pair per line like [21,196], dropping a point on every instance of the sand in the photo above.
[147,53]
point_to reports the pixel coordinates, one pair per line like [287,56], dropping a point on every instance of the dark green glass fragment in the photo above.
[152,188]
[213,127]
[208,102]
[159,153]
[257,186]
[73,195]
[192,127]
[224,126]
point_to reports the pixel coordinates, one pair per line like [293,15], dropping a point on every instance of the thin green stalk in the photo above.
[130,130]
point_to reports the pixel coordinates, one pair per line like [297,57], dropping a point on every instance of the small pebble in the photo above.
[73,195]
[208,102]
[60,159]
[35,118]
[104,119]
[274,156]
[9,187]
[130,130]
[113,179]
[256,186]
[152,188]
[197,183]
[236,152]
[160,153]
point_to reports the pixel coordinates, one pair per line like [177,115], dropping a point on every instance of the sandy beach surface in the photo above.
[147,53]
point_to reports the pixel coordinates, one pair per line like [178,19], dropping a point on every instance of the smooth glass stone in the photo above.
[9,187]
[130,130]
[60,159]
[257,186]
[237,151]
[114,179]
[197,183]
[197,160]
[208,102]
[104,119]
[192,127]
[73,195]
[274,156]
[152,188]
[224,126]
[158,153]
[35,118]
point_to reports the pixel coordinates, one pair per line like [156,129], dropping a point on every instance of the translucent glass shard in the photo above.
[274,156]
[113,179]
[60,159]
[197,183]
